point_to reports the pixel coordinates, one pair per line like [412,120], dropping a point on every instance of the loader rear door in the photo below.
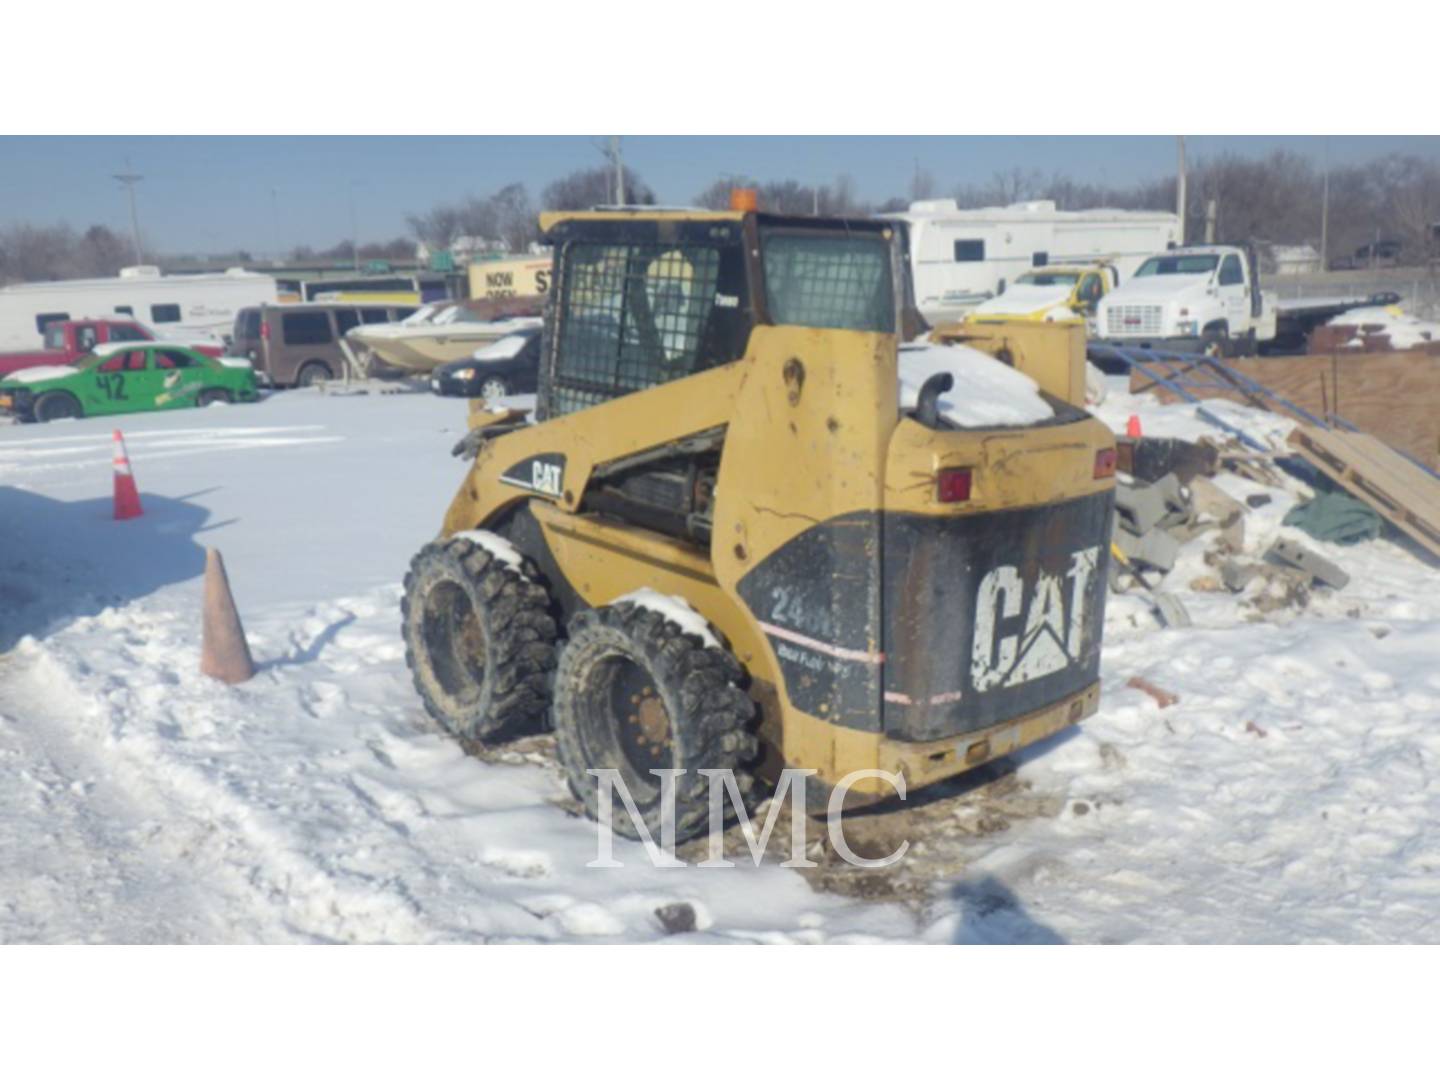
[639,306]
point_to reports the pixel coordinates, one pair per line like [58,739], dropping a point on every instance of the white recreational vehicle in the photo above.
[960,258]
[183,304]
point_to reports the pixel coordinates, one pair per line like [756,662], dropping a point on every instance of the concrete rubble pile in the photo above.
[1166,500]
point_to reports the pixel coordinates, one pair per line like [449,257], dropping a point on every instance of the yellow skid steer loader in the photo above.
[728,538]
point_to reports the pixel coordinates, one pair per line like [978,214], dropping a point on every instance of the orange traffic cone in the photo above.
[1132,428]
[127,496]
[224,653]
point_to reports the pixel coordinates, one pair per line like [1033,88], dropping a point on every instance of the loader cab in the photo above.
[645,297]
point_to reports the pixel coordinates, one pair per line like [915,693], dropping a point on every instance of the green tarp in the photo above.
[1336,518]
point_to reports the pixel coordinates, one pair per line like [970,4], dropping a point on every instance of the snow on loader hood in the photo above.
[1024,299]
[986,393]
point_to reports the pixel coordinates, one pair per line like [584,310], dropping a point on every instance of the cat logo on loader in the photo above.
[720,542]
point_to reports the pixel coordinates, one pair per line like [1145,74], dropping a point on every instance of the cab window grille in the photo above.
[832,282]
[636,315]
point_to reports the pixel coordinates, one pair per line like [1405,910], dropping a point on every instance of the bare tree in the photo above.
[515,223]
[436,228]
[717,195]
[37,252]
[585,188]
[101,253]
[787,196]
[396,250]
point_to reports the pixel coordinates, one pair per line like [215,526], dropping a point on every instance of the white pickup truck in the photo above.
[1190,299]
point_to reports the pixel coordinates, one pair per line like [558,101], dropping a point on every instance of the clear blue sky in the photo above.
[214,193]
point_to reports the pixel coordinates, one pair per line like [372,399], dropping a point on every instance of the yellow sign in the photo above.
[509,277]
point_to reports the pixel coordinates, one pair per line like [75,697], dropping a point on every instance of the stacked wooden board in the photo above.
[1400,490]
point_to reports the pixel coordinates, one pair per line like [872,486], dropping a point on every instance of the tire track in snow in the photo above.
[90,452]
[75,851]
[214,845]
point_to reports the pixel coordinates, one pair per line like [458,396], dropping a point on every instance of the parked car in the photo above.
[507,366]
[1382,253]
[66,340]
[299,344]
[126,377]
[1065,293]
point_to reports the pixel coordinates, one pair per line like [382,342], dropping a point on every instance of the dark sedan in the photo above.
[506,366]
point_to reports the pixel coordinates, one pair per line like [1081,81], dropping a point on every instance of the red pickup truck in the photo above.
[68,340]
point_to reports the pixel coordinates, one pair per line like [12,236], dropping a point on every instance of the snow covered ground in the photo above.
[1290,795]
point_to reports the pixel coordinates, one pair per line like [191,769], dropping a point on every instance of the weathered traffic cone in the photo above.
[224,653]
[1132,428]
[127,495]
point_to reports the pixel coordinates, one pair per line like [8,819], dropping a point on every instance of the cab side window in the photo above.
[1230,271]
[1090,290]
[165,359]
[85,337]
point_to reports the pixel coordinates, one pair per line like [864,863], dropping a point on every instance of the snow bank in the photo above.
[987,393]
[674,608]
[1405,331]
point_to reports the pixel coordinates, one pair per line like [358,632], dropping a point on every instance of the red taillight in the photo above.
[1104,463]
[264,331]
[953,485]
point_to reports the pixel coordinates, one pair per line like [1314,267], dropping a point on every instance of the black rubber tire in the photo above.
[57,405]
[312,372]
[485,677]
[502,391]
[212,395]
[1215,341]
[708,715]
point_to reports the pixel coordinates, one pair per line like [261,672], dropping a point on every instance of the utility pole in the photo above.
[1180,187]
[619,164]
[275,221]
[1325,210]
[354,229]
[610,148]
[130,179]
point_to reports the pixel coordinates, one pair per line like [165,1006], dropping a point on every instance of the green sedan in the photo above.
[125,377]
